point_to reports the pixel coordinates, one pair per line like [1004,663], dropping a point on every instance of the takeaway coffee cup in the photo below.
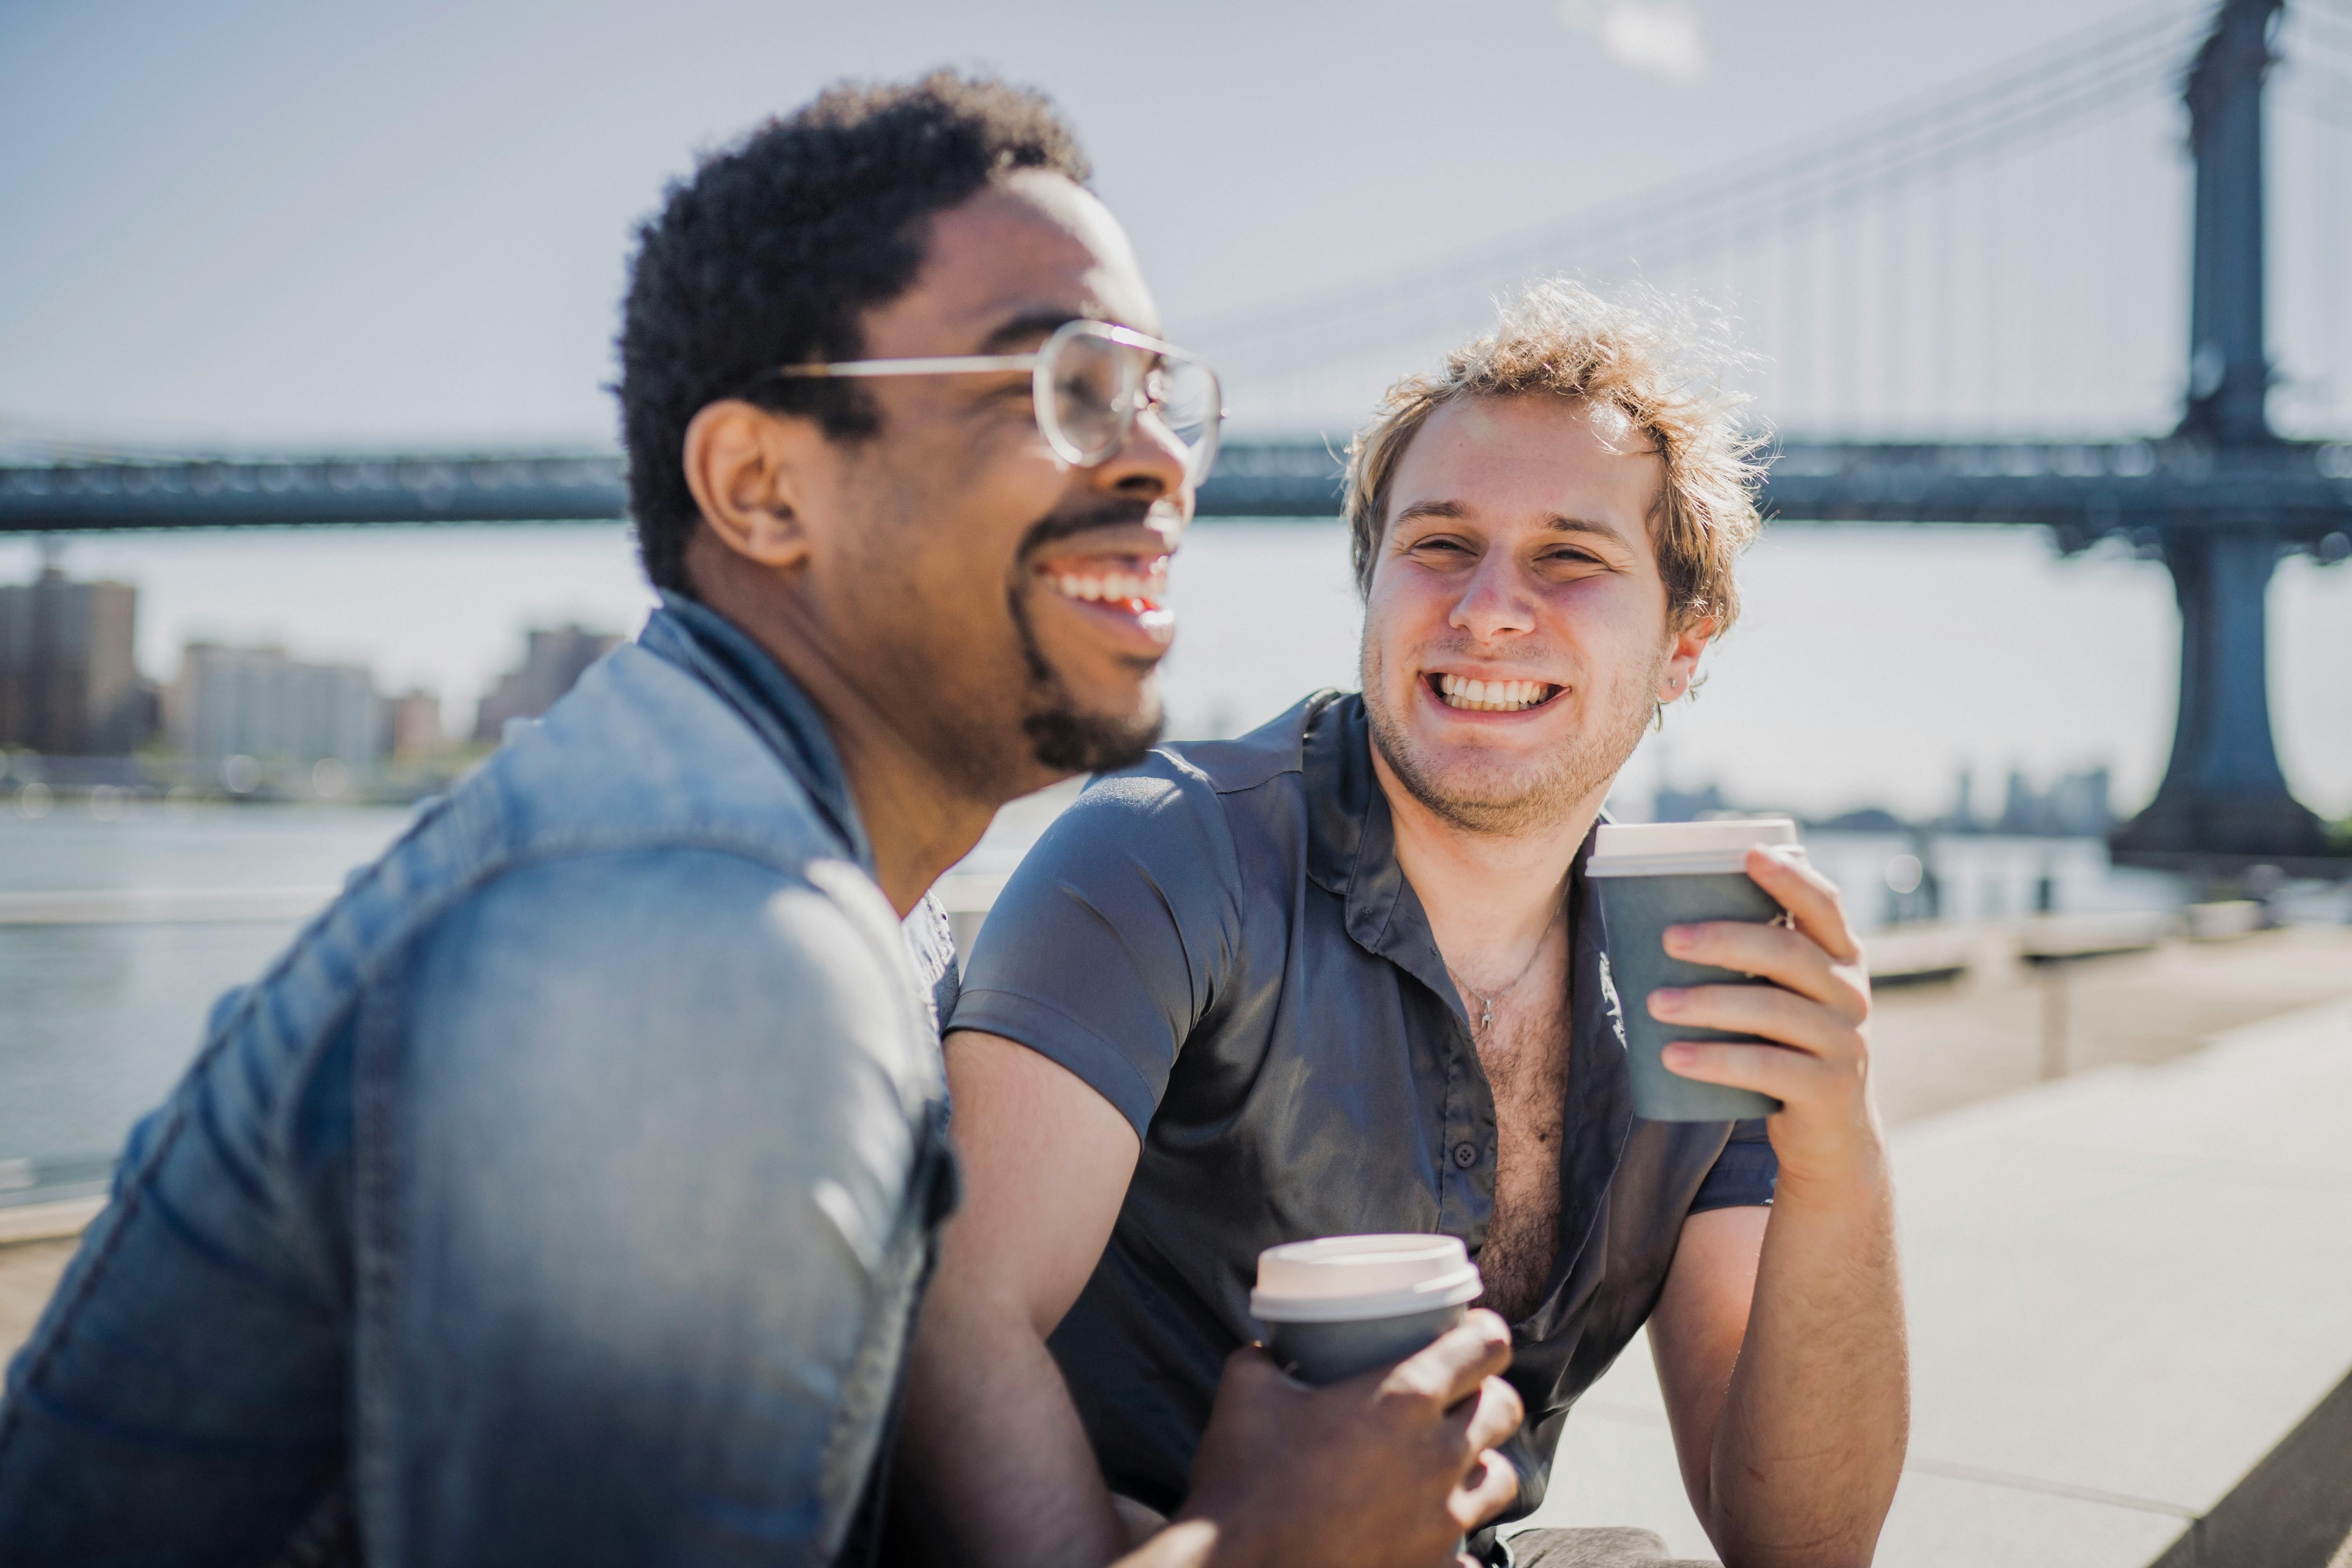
[1345,1304]
[1653,876]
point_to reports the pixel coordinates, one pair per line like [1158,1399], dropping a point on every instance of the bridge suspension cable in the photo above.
[2137,58]
[2006,259]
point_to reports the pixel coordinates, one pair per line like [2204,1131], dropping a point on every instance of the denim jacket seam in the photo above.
[375,1258]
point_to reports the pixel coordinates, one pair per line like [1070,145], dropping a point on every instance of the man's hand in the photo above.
[1780,1341]
[993,1466]
[1386,1471]
[1817,1009]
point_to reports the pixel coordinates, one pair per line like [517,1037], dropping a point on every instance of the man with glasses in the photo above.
[564,1193]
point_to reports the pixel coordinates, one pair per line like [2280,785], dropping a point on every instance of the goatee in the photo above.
[1063,736]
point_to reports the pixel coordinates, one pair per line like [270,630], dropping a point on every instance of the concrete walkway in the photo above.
[2125,1286]
[2126,1290]
[1941,1046]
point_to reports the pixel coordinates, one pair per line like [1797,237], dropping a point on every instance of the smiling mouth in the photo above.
[1124,594]
[1130,583]
[1490,696]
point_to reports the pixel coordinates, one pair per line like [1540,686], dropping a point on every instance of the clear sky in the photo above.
[275,225]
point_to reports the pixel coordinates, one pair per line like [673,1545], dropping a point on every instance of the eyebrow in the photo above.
[1028,325]
[1558,522]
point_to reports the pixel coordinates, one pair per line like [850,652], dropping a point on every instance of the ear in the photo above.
[1682,659]
[751,473]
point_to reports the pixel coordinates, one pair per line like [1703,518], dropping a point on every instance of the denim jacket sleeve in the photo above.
[638,1136]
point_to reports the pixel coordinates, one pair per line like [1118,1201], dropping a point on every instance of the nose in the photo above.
[1494,605]
[1149,466]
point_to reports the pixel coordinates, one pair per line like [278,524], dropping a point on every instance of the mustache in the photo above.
[1054,527]
[1540,657]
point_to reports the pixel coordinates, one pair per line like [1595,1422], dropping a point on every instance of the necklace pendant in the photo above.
[1486,1016]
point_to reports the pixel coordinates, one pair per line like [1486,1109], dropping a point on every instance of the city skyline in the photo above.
[1825,699]
[73,688]
[239,707]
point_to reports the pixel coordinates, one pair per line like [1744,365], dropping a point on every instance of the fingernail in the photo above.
[1677,938]
[1665,999]
[1675,1055]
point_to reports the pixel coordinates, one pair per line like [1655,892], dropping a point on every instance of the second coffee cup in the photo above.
[1344,1304]
[1651,876]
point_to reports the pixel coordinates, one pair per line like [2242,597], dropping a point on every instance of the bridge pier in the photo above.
[2224,797]
[2225,800]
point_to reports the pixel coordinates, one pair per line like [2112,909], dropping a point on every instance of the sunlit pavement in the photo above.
[1940,1047]
[2125,1289]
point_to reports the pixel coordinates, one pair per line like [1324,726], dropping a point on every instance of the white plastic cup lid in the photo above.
[1355,1279]
[1669,848]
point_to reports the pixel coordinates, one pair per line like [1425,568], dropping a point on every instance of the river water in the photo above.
[97,1020]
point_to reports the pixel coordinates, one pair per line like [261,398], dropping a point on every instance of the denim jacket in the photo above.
[562,1194]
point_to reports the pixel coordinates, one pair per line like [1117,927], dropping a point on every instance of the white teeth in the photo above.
[1114,586]
[1492,696]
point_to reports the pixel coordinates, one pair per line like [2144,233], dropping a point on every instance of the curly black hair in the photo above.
[769,253]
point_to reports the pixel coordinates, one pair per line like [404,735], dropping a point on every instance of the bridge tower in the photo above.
[2223,793]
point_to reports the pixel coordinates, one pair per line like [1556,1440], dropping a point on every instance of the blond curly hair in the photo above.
[1653,368]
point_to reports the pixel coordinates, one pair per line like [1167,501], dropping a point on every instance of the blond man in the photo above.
[1345,975]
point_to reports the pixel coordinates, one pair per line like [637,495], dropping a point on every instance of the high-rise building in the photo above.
[1964,804]
[2080,804]
[68,684]
[2077,806]
[259,702]
[552,660]
[412,726]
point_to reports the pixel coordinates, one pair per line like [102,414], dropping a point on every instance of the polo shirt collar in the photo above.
[1351,846]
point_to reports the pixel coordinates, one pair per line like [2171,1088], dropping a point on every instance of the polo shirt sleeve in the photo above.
[1110,942]
[1744,1175]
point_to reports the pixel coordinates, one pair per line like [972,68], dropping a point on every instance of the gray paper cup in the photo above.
[1653,876]
[1344,1304]
[1334,1353]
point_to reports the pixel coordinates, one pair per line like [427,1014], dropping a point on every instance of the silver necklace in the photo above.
[1487,1003]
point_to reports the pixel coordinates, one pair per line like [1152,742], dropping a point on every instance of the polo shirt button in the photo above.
[1466,1155]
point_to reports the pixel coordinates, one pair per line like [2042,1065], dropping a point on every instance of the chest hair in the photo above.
[1525,1053]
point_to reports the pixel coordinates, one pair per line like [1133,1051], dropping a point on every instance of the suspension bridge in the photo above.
[1967,311]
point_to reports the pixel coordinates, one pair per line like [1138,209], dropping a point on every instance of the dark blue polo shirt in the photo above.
[1220,942]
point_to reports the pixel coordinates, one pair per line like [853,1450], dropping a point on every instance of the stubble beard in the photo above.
[1509,801]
